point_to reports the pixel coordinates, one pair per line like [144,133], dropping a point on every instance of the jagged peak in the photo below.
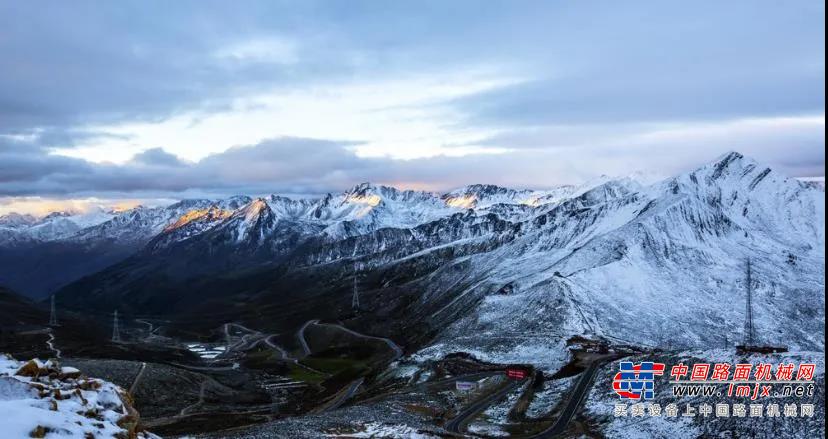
[279,198]
[732,167]
[210,214]
[729,156]
[125,210]
[366,189]
[731,160]
[383,190]
[482,189]
[253,210]
[369,194]
[58,214]
[469,197]
[17,219]
[234,202]
[362,188]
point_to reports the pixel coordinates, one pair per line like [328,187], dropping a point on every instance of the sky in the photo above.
[118,103]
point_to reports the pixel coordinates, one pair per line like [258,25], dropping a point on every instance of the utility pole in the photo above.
[53,317]
[749,330]
[355,298]
[116,334]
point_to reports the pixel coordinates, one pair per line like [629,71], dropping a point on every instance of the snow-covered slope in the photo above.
[15,220]
[481,196]
[357,211]
[663,265]
[367,207]
[651,264]
[54,226]
[42,399]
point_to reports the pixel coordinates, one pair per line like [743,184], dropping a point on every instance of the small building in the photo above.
[469,386]
[465,386]
[516,373]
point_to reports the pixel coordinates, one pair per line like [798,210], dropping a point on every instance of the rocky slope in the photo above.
[43,399]
[40,255]
[506,274]
[660,266]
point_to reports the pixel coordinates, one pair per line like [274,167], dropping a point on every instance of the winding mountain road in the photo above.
[137,378]
[398,352]
[253,338]
[575,398]
[186,410]
[51,344]
[300,334]
[458,424]
[341,397]
[267,340]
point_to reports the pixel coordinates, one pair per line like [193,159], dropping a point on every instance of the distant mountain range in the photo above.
[647,263]
[42,254]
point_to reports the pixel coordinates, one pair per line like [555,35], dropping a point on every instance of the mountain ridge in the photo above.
[590,263]
[603,260]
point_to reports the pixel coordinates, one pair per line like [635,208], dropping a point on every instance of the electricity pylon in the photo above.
[53,316]
[355,298]
[116,334]
[750,332]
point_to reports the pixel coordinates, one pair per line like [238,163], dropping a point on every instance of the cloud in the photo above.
[117,100]
[125,62]
[315,166]
[264,50]
[157,157]
[613,97]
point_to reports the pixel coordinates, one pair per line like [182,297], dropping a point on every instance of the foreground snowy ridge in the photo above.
[662,266]
[40,399]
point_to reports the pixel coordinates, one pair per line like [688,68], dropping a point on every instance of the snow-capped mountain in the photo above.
[480,196]
[15,220]
[664,265]
[16,228]
[359,210]
[367,207]
[650,264]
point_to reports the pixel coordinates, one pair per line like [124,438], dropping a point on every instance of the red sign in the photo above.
[516,374]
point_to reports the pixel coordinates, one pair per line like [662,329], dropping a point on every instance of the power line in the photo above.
[355,298]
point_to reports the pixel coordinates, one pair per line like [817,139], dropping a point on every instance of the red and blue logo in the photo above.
[636,381]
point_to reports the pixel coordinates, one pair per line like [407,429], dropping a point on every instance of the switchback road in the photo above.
[458,423]
[343,396]
[398,352]
[575,398]
[51,343]
[137,378]
[300,334]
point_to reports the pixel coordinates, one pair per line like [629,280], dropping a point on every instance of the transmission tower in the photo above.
[53,316]
[355,298]
[116,334]
[749,329]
